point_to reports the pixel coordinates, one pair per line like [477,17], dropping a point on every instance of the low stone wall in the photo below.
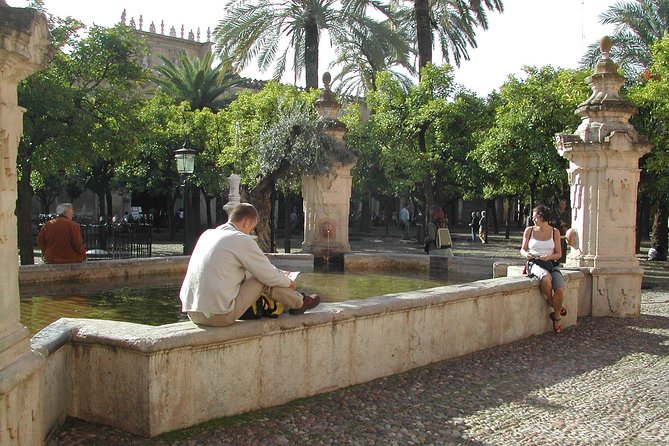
[416,262]
[150,380]
[125,268]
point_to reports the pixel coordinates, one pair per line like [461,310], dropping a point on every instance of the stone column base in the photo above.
[616,292]
[326,251]
[21,418]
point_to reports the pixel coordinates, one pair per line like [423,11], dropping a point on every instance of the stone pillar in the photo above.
[24,49]
[234,197]
[327,198]
[604,175]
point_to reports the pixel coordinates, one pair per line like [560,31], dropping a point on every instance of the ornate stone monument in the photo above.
[604,175]
[327,198]
[234,197]
[24,49]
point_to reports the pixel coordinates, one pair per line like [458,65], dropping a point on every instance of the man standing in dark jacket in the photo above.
[60,239]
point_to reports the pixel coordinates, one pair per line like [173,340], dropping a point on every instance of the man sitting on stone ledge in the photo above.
[60,239]
[228,272]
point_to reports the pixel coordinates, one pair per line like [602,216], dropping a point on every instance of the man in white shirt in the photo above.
[228,272]
[404,221]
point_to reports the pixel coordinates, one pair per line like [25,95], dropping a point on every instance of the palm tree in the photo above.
[257,29]
[196,81]
[362,56]
[453,21]
[638,23]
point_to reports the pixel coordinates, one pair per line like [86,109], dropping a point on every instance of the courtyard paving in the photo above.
[602,382]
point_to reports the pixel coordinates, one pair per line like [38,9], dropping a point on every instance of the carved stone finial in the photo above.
[605,44]
[191,36]
[198,34]
[326,104]
[327,80]
[173,32]
[141,22]
[152,27]
[208,34]
[182,31]
[605,64]
[123,17]
[162,27]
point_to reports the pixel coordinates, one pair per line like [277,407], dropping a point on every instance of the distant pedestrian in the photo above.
[437,221]
[474,225]
[405,216]
[293,220]
[483,228]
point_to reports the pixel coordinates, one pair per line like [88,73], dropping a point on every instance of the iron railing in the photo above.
[122,241]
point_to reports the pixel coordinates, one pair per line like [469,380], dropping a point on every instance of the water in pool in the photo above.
[156,301]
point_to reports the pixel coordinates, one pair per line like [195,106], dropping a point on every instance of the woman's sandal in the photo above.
[557,323]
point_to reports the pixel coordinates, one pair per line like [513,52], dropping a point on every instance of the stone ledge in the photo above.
[125,375]
[124,268]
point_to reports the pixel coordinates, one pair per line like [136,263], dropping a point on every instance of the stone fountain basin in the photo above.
[150,380]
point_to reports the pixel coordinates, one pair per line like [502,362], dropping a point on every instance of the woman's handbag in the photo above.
[548,265]
[443,239]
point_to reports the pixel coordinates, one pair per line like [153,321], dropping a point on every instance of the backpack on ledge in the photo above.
[263,307]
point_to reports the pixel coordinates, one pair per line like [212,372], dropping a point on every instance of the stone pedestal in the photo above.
[604,175]
[24,49]
[326,209]
[234,197]
[327,199]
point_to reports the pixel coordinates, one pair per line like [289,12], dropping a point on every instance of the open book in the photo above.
[292,275]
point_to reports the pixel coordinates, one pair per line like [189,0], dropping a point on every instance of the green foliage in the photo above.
[197,82]
[392,160]
[254,29]
[652,99]
[362,55]
[638,23]
[81,109]
[519,149]
[248,117]
[451,23]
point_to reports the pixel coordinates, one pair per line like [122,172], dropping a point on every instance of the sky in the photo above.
[529,32]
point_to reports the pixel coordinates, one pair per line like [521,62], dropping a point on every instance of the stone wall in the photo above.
[151,380]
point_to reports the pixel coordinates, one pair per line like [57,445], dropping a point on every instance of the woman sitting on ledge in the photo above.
[541,246]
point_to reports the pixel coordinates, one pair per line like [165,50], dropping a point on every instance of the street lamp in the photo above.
[185,159]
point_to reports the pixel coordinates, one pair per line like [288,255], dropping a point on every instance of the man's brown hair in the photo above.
[243,211]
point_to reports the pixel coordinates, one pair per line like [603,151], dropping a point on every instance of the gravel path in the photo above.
[602,382]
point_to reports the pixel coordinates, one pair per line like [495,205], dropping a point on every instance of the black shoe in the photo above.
[308,302]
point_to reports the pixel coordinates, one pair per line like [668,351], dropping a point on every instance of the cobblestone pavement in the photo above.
[602,382]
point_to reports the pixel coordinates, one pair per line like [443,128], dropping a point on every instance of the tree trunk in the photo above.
[210,221]
[509,215]
[492,210]
[110,209]
[423,32]
[23,212]
[365,215]
[171,220]
[260,198]
[194,214]
[221,215]
[660,229]
[642,219]
[428,187]
[287,225]
[311,52]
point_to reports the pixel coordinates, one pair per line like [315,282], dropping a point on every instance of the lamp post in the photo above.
[185,159]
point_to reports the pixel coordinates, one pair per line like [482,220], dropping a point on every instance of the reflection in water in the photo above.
[156,302]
